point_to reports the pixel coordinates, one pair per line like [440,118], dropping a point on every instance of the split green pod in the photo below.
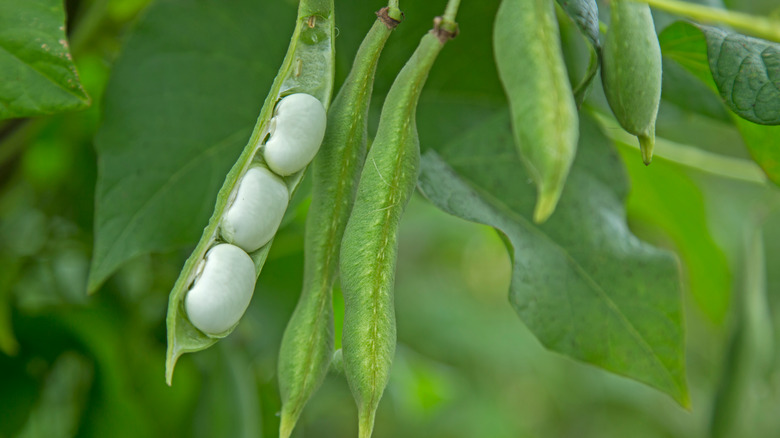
[306,76]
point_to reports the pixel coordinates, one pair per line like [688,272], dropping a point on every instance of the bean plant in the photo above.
[258,218]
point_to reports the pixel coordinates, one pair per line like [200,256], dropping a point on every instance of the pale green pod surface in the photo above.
[307,344]
[368,250]
[631,71]
[308,67]
[544,114]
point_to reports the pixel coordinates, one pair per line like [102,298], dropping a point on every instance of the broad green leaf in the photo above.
[683,218]
[585,14]
[179,108]
[682,42]
[747,73]
[583,284]
[764,145]
[37,74]
[686,44]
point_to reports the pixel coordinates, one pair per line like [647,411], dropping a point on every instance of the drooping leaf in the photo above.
[37,74]
[683,218]
[747,73]
[583,284]
[687,45]
[179,108]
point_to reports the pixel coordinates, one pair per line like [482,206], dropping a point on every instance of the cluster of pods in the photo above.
[225,279]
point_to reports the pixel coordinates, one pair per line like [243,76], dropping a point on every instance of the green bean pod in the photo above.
[544,113]
[308,68]
[307,345]
[631,71]
[368,250]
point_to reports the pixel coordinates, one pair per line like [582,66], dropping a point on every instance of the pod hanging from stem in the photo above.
[368,250]
[307,344]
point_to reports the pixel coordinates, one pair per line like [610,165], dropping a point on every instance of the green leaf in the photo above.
[747,73]
[686,44]
[683,42]
[585,14]
[38,74]
[683,218]
[687,82]
[583,284]
[179,108]
[763,142]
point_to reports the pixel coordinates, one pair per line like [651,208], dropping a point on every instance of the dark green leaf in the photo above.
[179,108]
[584,284]
[37,75]
[686,44]
[747,73]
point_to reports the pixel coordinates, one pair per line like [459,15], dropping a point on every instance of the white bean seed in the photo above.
[297,134]
[258,209]
[221,294]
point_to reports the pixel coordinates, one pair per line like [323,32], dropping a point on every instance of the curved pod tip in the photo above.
[299,127]
[646,145]
[258,209]
[546,201]
[221,293]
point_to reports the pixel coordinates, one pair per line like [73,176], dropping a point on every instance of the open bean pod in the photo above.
[252,199]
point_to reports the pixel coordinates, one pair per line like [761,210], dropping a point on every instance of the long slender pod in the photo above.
[298,97]
[544,113]
[368,250]
[307,345]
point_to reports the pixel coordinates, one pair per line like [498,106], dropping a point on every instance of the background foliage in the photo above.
[183,82]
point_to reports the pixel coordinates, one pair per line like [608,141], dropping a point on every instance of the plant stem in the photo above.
[451,11]
[393,4]
[761,27]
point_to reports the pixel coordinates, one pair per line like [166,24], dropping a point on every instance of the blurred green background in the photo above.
[92,366]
